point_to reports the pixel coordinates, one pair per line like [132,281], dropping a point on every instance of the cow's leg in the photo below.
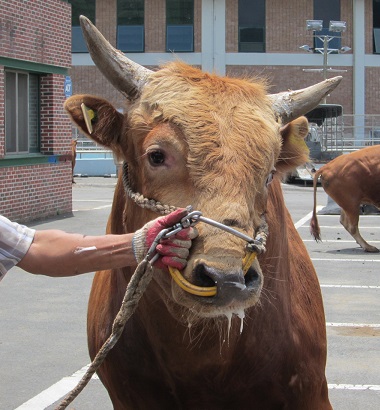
[350,220]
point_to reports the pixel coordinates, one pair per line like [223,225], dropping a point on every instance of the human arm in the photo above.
[58,253]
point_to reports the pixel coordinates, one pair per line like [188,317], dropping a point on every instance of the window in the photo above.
[376,26]
[251,26]
[180,25]
[130,25]
[22,112]
[327,10]
[80,7]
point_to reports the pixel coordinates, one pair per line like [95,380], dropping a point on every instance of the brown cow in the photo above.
[191,137]
[350,180]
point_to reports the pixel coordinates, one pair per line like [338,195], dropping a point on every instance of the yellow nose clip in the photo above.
[210,290]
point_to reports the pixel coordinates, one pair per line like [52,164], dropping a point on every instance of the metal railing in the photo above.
[84,144]
[342,134]
[360,131]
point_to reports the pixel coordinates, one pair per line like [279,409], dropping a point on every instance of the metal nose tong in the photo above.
[191,219]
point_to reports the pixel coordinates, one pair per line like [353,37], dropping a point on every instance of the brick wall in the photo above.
[89,80]
[287,25]
[232,26]
[369,27]
[197,26]
[35,192]
[372,94]
[55,123]
[39,32]
[105,15]
[283,78]
[36,30]
[155,26]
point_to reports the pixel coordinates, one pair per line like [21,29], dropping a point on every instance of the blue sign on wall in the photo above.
[68,87]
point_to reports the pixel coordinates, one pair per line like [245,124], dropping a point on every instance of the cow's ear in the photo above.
[294,151]
[96,118]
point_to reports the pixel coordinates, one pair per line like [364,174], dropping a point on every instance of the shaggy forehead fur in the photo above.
[226,122]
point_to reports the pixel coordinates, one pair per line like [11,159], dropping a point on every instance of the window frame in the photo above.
[77,38]
[16,132]
[138,29]
[376,26]
[173,25]
[257,46]
[327,13]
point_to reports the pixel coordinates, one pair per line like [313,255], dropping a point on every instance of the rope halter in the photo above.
[254,246]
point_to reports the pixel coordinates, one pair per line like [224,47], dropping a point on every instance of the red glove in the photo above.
[174,250]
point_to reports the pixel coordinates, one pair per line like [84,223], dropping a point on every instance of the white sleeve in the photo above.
[15,240]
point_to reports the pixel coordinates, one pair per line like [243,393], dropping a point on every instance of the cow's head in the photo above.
[215,143]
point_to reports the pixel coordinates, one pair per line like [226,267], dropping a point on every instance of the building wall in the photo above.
[231,26]
[36,31]
[372,79]
[292,78]
[369,27]
[36,37]
[286,25]
[282,63]
[155,26]
[35,191]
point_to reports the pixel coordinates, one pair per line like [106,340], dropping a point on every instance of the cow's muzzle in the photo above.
[216,282]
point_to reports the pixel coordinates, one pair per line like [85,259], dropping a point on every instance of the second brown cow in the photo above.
[350,180]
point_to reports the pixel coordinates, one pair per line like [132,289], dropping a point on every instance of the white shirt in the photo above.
[15,241]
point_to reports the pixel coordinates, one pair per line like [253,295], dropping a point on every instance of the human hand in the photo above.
[174,250]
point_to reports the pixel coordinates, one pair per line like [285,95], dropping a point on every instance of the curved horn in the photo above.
[125,75]
[292,104]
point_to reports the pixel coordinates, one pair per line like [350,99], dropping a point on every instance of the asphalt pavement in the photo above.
[43,346]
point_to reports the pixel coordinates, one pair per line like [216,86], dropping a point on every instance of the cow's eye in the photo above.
[156,158]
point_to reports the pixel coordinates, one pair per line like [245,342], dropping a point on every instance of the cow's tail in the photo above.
[314,225]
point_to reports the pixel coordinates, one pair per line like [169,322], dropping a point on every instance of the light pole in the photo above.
[315,26]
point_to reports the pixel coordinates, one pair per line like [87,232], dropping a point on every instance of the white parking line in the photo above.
[336,241]
[341,227]
[351,286]
[90,200]
[345,260]
[357,325]
[354,386]
[361,216]
[55,392]
[306,218]
[93,209]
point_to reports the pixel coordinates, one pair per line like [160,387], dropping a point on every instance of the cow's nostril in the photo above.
[202,276]
[251,278]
